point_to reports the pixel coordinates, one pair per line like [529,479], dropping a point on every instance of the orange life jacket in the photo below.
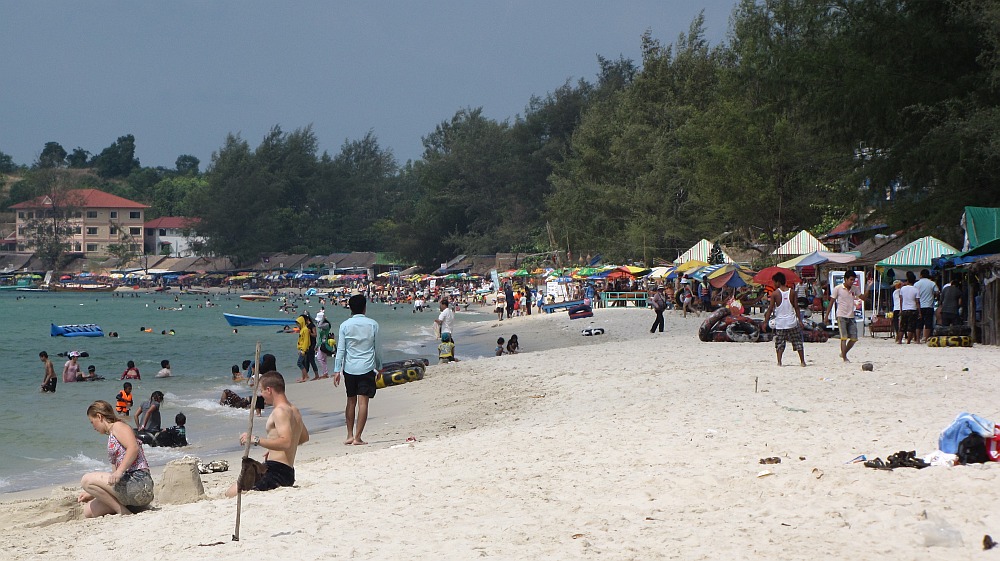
[124,402]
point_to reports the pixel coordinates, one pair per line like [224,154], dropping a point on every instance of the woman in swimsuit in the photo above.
[129,487]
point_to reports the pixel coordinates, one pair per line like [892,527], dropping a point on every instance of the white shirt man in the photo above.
[445,318]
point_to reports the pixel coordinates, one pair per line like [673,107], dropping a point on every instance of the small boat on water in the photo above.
[81,330]
[239,321]
[256,297]
[197,290]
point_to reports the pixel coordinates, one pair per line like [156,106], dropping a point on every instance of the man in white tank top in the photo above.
[784,306]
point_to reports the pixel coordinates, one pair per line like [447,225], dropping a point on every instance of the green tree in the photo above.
[187,164]
[78,159]
[7,164]
[117,160]
[52,156]
[49,231]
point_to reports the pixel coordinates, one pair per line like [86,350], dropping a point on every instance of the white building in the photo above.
[171,235]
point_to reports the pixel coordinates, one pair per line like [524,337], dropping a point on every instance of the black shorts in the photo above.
[360,384]
[50,386]
[259,405]
[926,318]
[277,475]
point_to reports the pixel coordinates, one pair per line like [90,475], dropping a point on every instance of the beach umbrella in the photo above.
[689,265]
[764,276]
[817,258]
[732,279]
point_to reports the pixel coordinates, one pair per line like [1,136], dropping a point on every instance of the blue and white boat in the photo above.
[239,321]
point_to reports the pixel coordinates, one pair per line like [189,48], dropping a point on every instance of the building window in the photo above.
[135,231]
[92,231]
[77,230]
[77,214]
[114,214]
[20,232]
[77,246]
[31,215]
[135,214]
[20,214]
[114,230]
[92,247]
[163,231]
[91,214]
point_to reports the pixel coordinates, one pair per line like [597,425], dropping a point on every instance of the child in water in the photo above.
[237,373]
[446,350]
[499,349]
[124,400]
[164,369]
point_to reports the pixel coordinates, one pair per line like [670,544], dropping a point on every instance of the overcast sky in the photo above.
[181,75]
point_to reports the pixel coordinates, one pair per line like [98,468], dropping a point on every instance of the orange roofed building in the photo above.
[97,220]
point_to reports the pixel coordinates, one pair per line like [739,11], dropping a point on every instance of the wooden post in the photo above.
[246,445]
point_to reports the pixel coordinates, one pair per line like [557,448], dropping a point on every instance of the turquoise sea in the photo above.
[46,438]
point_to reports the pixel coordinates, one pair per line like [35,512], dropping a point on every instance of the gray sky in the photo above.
[180,75]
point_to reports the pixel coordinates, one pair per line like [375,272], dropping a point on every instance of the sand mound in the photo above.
[180,483]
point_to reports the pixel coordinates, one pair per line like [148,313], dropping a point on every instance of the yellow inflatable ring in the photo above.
[950,341]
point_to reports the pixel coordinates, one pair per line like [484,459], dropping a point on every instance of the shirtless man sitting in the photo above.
[285,431]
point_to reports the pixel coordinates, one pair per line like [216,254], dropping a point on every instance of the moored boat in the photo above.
[82,287]
[239,321]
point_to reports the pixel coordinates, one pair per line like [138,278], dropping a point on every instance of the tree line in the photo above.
[809,113]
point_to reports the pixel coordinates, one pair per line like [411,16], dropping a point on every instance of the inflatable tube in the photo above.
[81,354]
[952,341]
[580,308]
[743,332]
[398,377]
[952,331]
[408,363]
[707,326]
[588,331]
[83,330]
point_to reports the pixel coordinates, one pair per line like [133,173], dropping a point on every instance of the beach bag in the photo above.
[993,445]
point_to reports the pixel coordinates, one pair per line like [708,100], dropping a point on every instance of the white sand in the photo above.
[624,446]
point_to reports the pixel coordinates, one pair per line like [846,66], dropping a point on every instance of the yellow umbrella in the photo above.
[692,264]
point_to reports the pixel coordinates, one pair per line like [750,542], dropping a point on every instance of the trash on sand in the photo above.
[771,460]
[859,459]
[765,473]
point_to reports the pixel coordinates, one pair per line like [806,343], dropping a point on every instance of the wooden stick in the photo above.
[246,445]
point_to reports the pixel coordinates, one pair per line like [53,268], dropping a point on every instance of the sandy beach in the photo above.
[627,445]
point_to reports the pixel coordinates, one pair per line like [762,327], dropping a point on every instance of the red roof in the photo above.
[83,198]
[178,222]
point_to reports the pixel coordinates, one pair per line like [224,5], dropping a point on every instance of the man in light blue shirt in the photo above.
[359,357]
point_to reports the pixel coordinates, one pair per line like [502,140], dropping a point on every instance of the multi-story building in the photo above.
[171,235]
[96,220]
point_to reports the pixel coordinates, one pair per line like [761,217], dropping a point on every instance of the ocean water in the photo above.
[46,438]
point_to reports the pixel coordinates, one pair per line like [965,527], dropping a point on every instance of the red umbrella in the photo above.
[764,276]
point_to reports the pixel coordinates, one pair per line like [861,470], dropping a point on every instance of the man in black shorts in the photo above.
[285,431]
[359,357]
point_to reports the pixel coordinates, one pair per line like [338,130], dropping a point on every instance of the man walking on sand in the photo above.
[285,431]
[359,357]
[842,296]
[784,306]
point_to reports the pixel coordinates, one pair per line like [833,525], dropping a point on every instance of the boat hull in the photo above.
[240,321]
